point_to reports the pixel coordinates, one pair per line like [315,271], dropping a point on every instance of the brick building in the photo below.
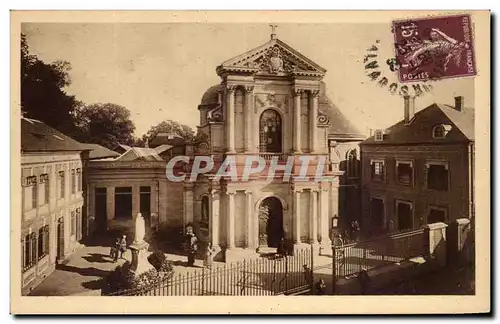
[52,200]
[419,170]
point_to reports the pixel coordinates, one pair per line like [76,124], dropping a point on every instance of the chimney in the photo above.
[459,103]
[409,105]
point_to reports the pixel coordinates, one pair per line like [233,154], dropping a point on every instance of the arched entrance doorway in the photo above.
[270,222]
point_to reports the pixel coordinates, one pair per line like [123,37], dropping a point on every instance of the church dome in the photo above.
[211,96]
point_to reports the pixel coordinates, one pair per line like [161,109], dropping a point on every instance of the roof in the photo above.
[37,136]
[162,148]
[340,127]
[211,96]
[99,151]
[419,130]
[260,60]
[167,138]
[139,153]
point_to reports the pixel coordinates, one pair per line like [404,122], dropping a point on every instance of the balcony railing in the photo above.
[270,156]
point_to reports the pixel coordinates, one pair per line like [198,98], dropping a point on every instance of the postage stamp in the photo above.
[434,48]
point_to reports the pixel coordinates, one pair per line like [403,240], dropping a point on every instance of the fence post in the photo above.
[334,268]
[203,281]
[312,270]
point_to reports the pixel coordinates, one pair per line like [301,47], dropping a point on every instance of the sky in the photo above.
[160,71]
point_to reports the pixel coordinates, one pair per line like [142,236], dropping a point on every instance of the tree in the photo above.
[42,91]
[167,126]
[105,124]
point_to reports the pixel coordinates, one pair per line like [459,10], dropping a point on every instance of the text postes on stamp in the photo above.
[434,48]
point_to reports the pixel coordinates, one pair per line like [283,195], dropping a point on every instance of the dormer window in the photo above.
[379,135]
[440,131]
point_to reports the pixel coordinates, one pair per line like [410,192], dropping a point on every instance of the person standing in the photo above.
[115,249]
[192,249]
[208,256]
[123,246]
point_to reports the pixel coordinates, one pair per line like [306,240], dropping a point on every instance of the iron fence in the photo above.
[351,259]
[271,275]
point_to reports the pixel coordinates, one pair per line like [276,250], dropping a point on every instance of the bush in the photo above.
[122,278]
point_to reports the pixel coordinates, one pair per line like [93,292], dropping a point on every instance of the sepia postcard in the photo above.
[250,162]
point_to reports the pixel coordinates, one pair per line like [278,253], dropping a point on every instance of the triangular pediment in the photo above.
[272,58]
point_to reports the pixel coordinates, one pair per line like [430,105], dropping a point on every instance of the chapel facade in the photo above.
[271,103]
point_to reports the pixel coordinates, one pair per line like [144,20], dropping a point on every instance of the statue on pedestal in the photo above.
[139,247]
[140,228]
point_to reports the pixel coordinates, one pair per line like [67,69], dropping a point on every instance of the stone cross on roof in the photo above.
[273,30]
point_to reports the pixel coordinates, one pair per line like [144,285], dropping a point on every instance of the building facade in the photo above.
[271,103]
[52,200]
[420,170]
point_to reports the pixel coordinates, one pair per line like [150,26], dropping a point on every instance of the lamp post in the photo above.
[335,236]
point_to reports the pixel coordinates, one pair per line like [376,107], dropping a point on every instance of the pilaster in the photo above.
[249,233]
[229,118]
[214,217]
[296,216]
[313,217]
[188,203]
[296,121]
[230,217]
[248,113]
[110,202]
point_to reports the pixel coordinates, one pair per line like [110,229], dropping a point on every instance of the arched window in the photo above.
[438,131]
[270,132]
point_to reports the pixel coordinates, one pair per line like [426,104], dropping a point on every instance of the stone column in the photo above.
[136,200]
[313,122]
[334,200]
[324,224]
[188,203]
[110,202]
[214,218]
[229,118]
[296,121]
[249,235]
[296,217]
[247,117]
[313,217]
[230,219]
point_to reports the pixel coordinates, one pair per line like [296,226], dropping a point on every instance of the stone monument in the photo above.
[139,247]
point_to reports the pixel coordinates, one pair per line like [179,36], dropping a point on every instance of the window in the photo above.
[43,241]
[377,170]
[440,131]
[377,212]
[437,176]
[404,173]
[29,251]
[44,179]
[404,212]
[379,135]
[61,184]
[31,192]
[436,215]
[73,181]
[73,222]
[270,132]
[79,175]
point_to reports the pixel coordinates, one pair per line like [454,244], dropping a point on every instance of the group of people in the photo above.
[353,234]
[192,250]
[119,248]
